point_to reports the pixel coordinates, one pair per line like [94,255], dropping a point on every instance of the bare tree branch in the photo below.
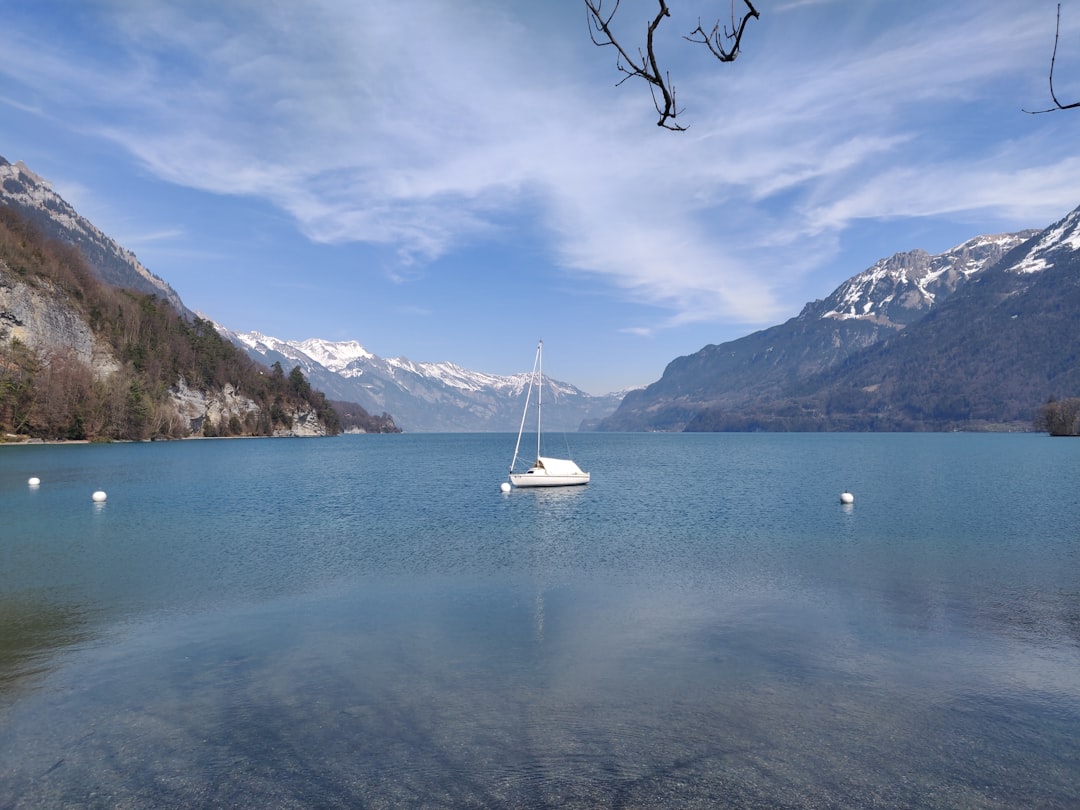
[1053,58]
[713,41]
[646,66]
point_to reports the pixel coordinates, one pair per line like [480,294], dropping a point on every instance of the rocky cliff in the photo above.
[39,317]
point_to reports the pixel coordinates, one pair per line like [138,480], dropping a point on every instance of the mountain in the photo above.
[974,338]
[35,199]
[425,397]
[84,360]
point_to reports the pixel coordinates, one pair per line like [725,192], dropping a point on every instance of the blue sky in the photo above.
[453,180]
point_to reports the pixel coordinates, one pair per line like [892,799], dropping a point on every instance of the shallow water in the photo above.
[367,621]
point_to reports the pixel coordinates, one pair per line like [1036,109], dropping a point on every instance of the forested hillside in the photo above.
[146,352]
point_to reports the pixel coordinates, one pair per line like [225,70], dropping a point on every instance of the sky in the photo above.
[452,180]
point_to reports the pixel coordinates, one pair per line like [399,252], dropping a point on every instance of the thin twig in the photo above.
[1053,58]
[712,39]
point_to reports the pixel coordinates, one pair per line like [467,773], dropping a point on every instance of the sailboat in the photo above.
[545,471]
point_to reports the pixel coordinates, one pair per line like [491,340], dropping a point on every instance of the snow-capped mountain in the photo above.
[901,288]
[423,397]
[980,335]
[34,197]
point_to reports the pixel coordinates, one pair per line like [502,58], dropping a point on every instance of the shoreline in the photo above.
[11,441]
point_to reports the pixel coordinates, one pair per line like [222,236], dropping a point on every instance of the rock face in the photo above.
[38,317]
[304,424]
[196,407]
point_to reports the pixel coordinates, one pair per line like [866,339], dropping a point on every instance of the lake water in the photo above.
[367,621]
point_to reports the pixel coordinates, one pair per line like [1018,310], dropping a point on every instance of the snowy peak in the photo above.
[334,356]
[1060,240]
[454,376]
[339,358]
[900,289]
[263,344]
[348,358]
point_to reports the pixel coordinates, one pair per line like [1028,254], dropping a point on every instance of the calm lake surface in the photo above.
[367,621]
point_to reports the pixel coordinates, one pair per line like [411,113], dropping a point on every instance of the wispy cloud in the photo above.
[418,125]
[133,241]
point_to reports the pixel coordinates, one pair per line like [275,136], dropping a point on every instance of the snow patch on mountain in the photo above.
[335,356]
[893,290]
[1063,236]
[455,376]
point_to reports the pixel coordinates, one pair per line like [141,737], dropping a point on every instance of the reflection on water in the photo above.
[358,623]
[646,696]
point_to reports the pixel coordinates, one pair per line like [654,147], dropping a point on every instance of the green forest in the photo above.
[58,396]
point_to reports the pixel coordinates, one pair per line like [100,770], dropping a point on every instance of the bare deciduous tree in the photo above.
[722,42]
[1053,58]
[1059,417]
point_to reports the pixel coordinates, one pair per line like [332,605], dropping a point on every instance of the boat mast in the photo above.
[525,411]
[539,391]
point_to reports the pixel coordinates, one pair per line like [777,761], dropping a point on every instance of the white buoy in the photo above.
[34,482]
[847,497]
[98,497]
[504,487]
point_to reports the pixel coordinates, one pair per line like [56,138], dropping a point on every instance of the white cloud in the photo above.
[422,125]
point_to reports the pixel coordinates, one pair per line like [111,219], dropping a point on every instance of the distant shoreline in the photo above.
[17,441]
[20,441]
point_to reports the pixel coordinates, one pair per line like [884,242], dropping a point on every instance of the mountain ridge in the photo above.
[796,375]
[33,196]
[426,396]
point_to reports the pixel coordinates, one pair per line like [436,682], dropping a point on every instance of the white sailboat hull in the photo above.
[550,472]
[542,479]
[521,480]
